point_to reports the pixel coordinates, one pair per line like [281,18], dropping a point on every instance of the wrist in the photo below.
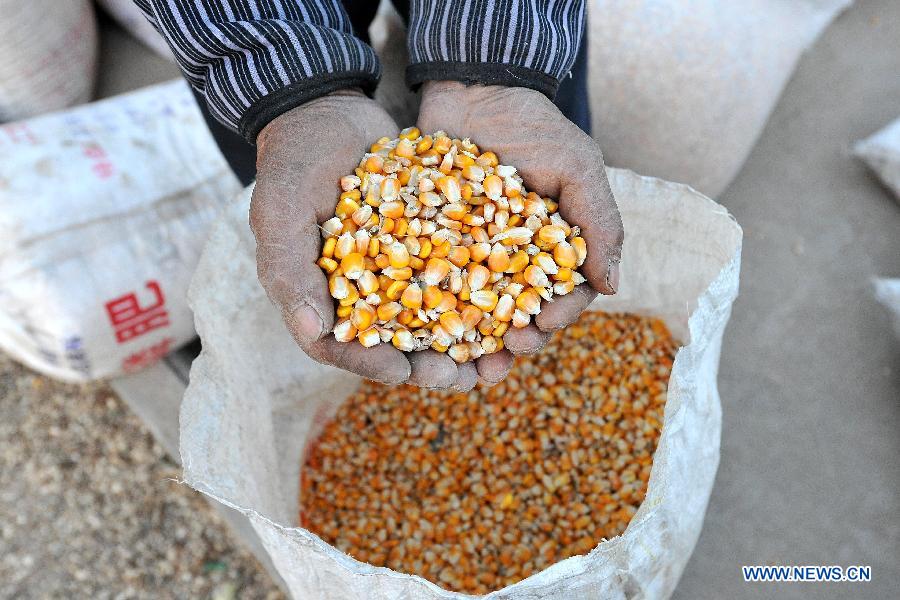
[484,74]
[283,121]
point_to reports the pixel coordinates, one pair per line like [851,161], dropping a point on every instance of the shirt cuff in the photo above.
[472,73]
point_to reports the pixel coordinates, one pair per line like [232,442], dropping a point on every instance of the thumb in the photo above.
[288,242]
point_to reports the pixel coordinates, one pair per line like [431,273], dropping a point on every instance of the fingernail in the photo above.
[612,277]
[307,323]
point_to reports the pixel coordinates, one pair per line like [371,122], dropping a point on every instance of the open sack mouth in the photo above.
[257,408]
[476,491]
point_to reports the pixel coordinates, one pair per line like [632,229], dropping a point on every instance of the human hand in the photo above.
[301,155]
[556,159]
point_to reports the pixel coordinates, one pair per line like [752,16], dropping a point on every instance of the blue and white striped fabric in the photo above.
[254,59]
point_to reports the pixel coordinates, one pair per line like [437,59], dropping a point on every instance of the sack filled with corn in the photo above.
[256,405]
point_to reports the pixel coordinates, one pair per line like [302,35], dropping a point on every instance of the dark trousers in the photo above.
[571,99]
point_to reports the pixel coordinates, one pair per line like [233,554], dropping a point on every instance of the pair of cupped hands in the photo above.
[303,153]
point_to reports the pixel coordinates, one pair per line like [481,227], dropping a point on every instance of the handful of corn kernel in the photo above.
[434,244]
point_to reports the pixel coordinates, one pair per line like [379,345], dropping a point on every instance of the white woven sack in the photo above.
[48,56]
[882,153]
[255,400]
[681,89]
[103,212]
[130,17]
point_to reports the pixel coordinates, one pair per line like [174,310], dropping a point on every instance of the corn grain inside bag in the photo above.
[255,401]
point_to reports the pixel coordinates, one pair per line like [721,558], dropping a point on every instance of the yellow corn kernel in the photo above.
[404,341]
[425,246]
[374,164]
[520,319]
[387,225]
[442,144]
[486,300]
[352,265]
[406,317]
[490,344]
[478,277]
[328,264]
[339,287]
[435,271]
[363,316]
[535,276]
[361,215]
[346,207]
[486,325]
[403,176]
[390,191]
[398,255]
[405,149]
[465,293]
[400,227]
[545,262]
[435,345]
[384,282]
[367,283]
[580,249]
[459,256]
[332,228]
[519,278]
[416,323]
[473,173]
[392,210]
[382,261]
[564,255]
[345,245]
[466,192]
[424,144]
[454,211]
[448,302]
[480,251]
[398,274]
[493,187]
[449,186]
[344,331]
[374,248]
[354,195]
[412,297]
[416,263]
[529,302]
[343,312]
[561,288]
[459,352]
[396,289]
[500,329]
[518,262]
[446,164]
[498,260]
[564,274]
[504,310]
[388,311]
[471,316]
[432,296]
[370,337]
[488,159]
[551,234]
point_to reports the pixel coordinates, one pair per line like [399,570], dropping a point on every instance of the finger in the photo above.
[564,310]
[526,340]
[466,376]
[589,203]
[493,368]
[432,370]
[382,362]
[287,247]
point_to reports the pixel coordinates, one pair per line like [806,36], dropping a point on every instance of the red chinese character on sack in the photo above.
[147,356]
[102,167]
[130,320]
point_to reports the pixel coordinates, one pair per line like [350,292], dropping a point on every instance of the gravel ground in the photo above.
[89,508]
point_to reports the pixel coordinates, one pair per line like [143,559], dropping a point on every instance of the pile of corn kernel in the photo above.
[477,491]
[434,244]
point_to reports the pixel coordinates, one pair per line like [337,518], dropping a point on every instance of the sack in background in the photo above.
[255,401]
[882,153]
[681,89]
[887,292]
[129,16]
[48,56]
[104,210]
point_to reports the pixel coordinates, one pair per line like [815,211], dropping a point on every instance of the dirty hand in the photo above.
[301,155]
[555,159]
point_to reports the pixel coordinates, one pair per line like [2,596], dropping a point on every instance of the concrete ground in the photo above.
[810,375]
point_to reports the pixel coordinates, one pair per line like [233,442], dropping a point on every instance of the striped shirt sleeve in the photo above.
[522,43]
[255,59]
